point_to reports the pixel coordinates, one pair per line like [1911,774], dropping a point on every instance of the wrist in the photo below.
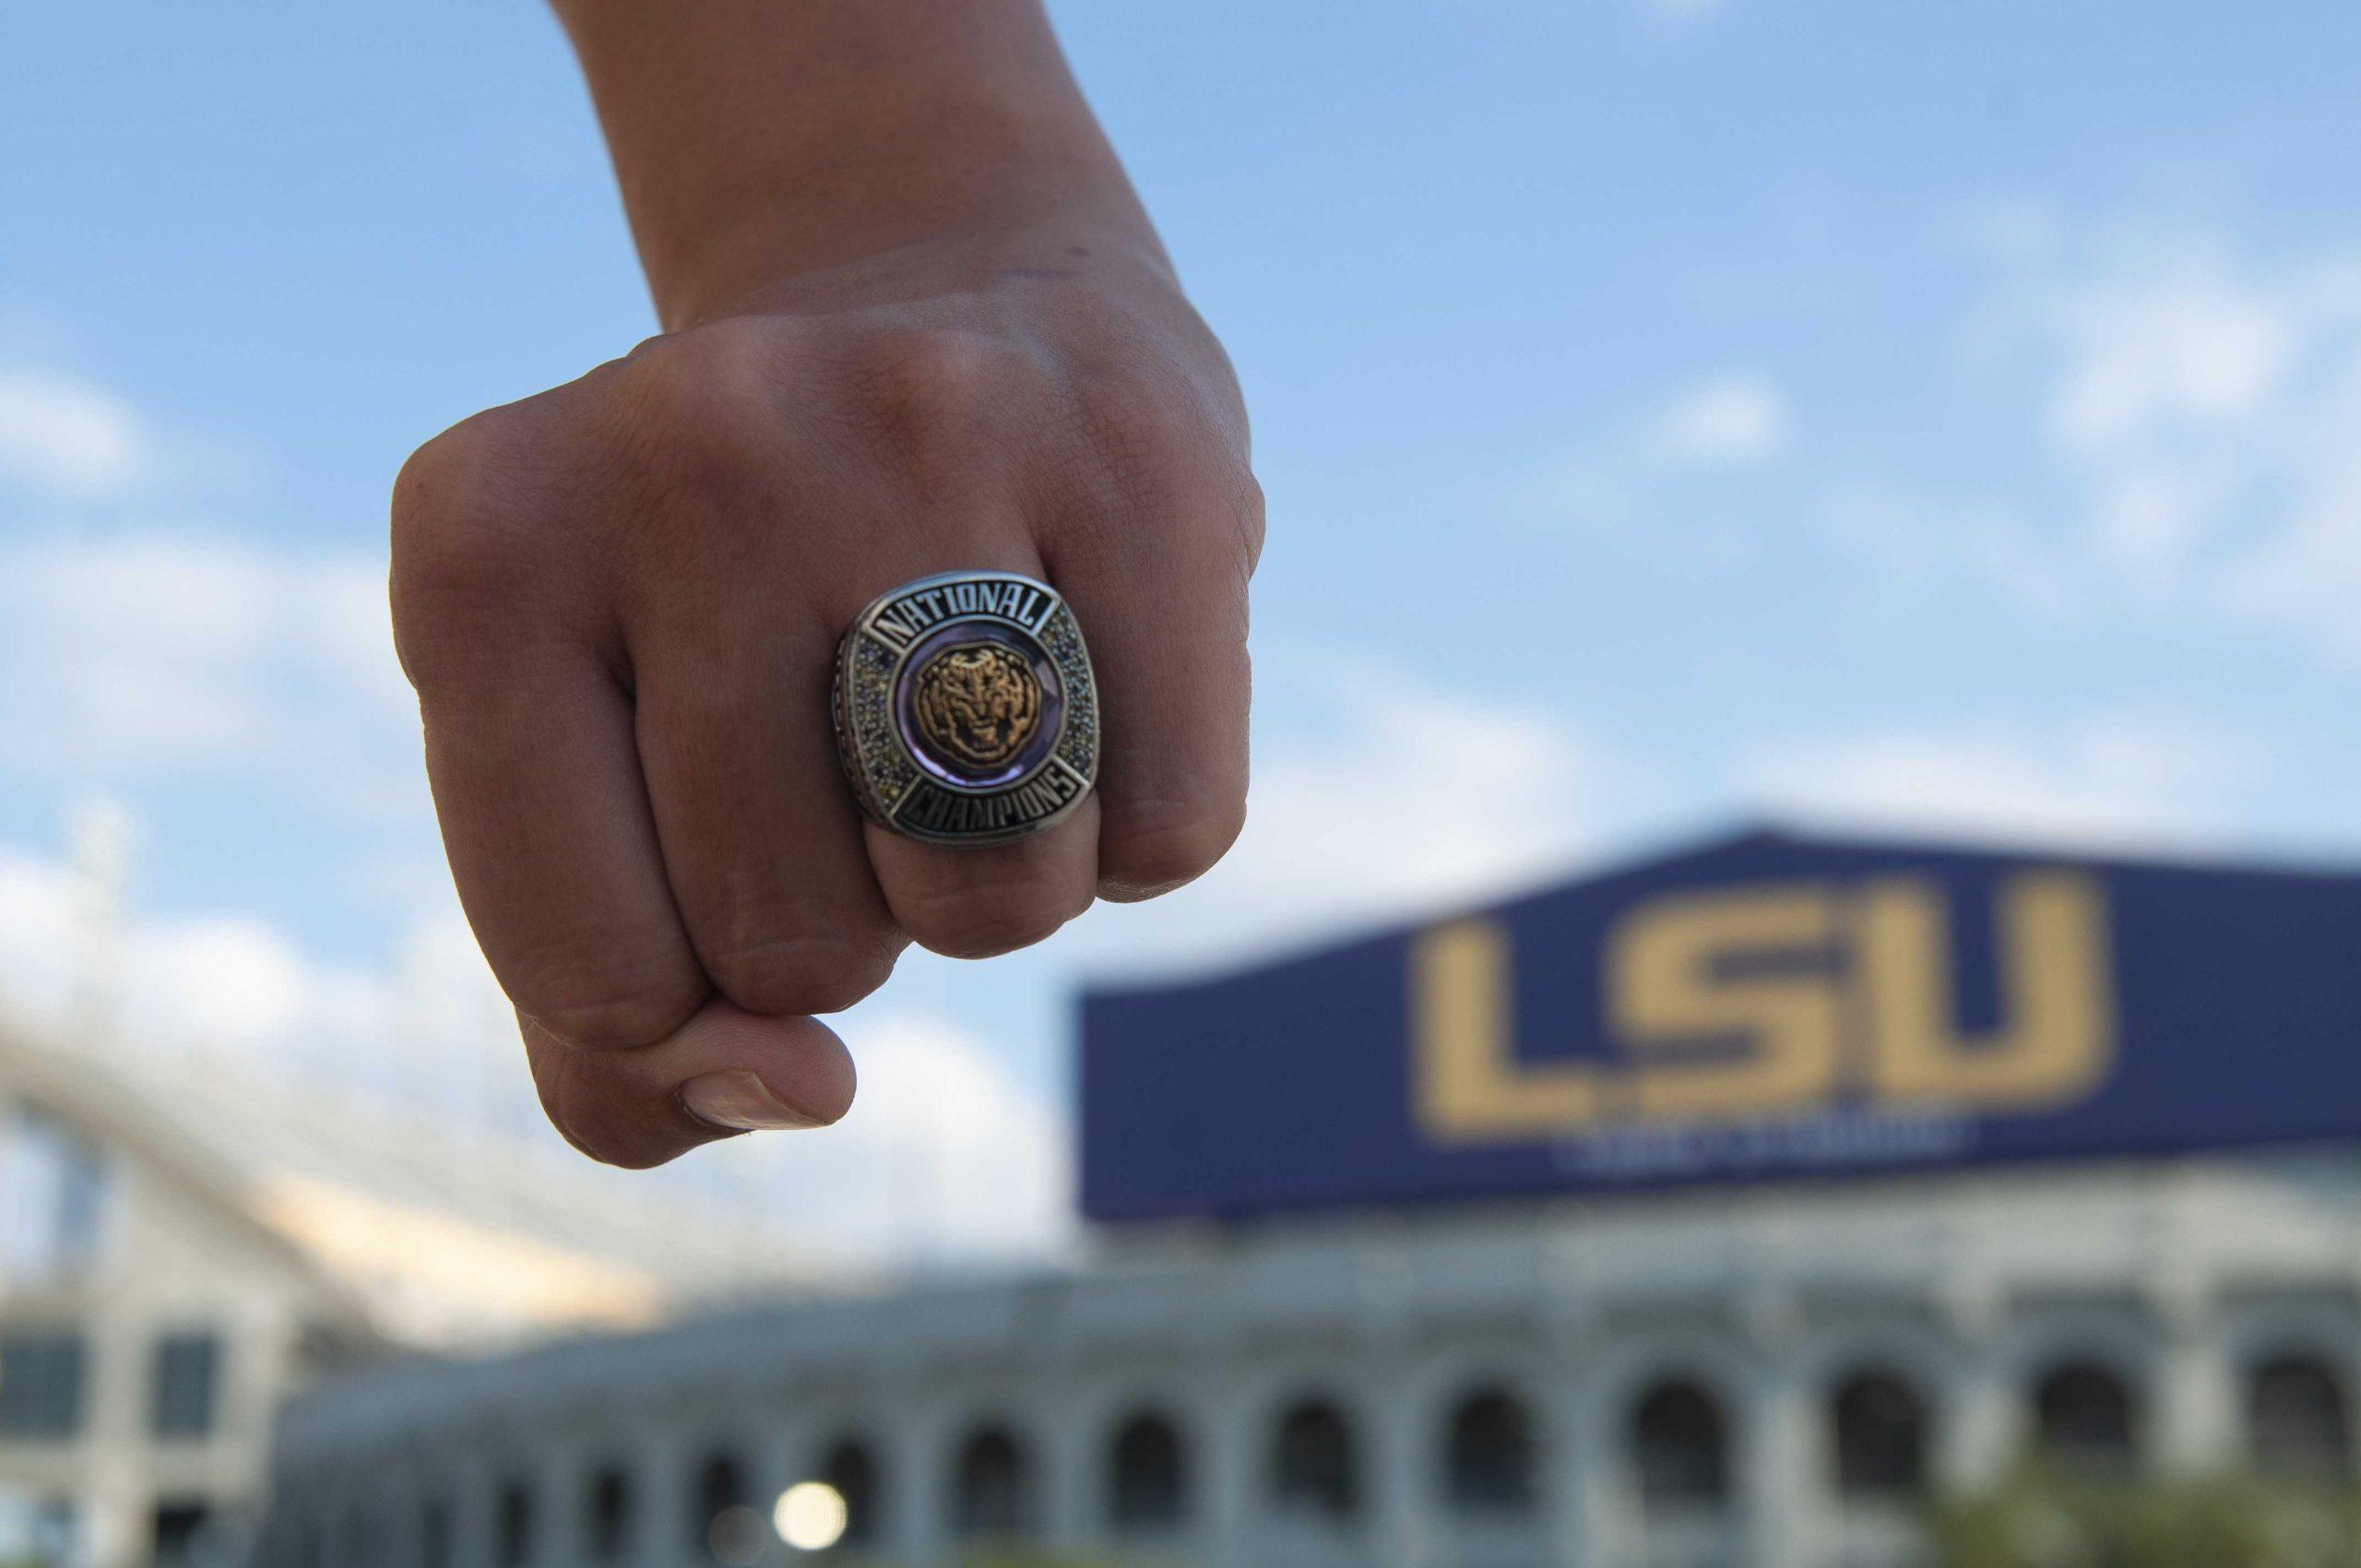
[786,251]
[754,142]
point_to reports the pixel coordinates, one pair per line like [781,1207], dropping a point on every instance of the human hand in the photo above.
[619,602]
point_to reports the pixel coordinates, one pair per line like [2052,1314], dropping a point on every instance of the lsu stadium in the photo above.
[1710,1212]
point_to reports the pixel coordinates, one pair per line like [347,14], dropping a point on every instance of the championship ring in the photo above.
[965,709]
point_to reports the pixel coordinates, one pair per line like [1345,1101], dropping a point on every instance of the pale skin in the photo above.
[914,320]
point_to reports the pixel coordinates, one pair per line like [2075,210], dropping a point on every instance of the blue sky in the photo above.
[1671,412]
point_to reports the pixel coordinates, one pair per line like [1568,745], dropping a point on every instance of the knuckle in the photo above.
[985,919]
[1150,847]
[690,398]
[696,430]
[457,572]
[1145,451]
[1246,512]
[929,393]
[928,370]
[483,467]
[683,381]
[450,467]
[1140,440]
[463,544]
[685,409]
[581,1098]
[612,1010]
[801,974]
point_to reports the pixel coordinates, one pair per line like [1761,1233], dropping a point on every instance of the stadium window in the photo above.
[1880,1435]
[1315,1472]
[1679,1447]
[850,1470]
[52,1527]
[607,1509]
[719,1491]
[992,1490]
[42,1379]
[513,1526]
[2083,1419]
[434,1535]
[1147,1478]
[186,1384]
[2298,1421]
[180,1534]
[1489,1462]
[38,1531]
[57,1183]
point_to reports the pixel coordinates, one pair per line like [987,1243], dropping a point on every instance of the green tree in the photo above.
[2048,1519]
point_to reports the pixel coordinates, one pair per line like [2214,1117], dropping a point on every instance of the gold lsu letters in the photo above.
[1865,999]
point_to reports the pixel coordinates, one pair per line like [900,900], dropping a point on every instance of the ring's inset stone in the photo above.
[977,705]
[964,708]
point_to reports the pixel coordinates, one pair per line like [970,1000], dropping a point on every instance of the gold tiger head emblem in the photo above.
[977,704]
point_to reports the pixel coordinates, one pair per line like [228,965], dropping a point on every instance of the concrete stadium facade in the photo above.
[1759,1376]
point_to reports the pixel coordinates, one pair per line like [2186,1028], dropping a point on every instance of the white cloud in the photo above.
[1927,544]
[2307,572]
[2203,420]
[1377,792]
[230,986]
[947,1153]
[220,980]
[2176,382]
[2103,782]
[42,936]
[67,437]
[1681,475]
[1737,419]
[2176,338]
[160,650]
[2195,453]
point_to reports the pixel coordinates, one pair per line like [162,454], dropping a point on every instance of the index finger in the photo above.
[529,749]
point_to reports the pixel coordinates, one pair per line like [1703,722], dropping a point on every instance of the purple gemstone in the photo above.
[972,646]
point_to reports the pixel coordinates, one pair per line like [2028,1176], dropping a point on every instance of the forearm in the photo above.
[755,139]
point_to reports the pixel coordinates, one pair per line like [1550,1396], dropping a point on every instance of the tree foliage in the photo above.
[2048,1519]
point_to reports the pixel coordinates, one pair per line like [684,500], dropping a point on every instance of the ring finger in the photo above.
[975,700]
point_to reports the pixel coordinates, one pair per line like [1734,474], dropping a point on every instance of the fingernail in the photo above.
[739,1101]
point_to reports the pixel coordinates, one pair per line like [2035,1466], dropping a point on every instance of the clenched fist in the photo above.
[619,600]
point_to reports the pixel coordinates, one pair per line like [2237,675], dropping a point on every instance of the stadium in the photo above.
[1714,1210]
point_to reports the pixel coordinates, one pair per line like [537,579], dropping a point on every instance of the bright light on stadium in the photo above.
[811,1515]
